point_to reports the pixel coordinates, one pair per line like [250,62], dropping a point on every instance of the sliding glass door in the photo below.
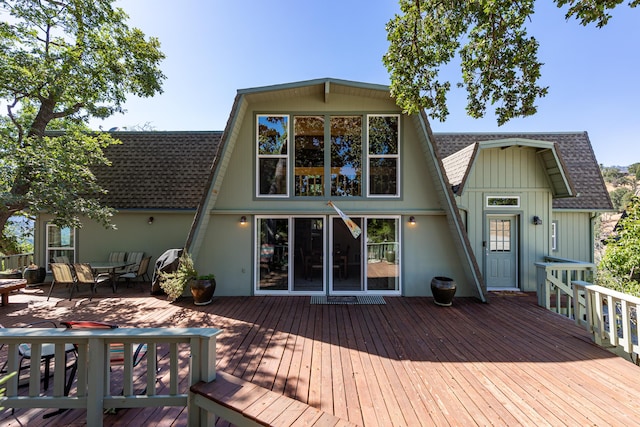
[298,255]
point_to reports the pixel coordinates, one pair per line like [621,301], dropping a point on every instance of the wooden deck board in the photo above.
[408,362]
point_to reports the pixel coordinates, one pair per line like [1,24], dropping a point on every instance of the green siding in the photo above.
[133,234]
[228,248]
[575,236]
[512,171]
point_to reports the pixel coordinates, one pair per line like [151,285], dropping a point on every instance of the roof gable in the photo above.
[573,153]
[458,165]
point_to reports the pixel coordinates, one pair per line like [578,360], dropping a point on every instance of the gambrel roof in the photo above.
[157,170]
[573,150]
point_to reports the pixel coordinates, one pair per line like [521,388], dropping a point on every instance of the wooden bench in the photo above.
[9,285]
[245,404]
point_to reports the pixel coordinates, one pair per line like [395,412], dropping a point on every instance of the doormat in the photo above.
[360,299]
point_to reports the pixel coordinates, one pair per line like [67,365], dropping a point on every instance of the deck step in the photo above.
[246,404]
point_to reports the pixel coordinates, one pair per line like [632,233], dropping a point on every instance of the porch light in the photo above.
[150,220]
[537,220]
[243,220]
[412,220]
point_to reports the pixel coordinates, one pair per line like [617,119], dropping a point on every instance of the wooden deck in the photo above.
[405,363]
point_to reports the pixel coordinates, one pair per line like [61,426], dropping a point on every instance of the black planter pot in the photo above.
[202,291]
[34,275]
[443,290]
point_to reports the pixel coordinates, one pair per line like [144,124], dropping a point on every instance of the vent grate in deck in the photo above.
[360,299]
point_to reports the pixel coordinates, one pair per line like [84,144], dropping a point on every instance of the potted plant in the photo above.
[174,283]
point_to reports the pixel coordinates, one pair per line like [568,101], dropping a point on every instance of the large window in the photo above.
[61,242]
[309,156]
[383,154]
[273,141]
[346,155]
[328,155]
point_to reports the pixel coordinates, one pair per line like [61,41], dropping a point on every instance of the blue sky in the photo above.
[216,47]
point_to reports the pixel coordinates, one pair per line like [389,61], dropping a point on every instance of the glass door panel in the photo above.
[273,254]
[346,258]
[383,272]
[309,265]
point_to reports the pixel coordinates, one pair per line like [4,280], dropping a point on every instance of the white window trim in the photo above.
[386,156]
[327,231]
[60,248]
[554,236]
[495,196]
[272,156]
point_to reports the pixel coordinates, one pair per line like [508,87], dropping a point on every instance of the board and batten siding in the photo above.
[574,235]
[512,171]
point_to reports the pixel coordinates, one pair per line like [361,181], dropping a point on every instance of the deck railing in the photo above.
[553,279]
[18,261]
[93,386]
[610,316]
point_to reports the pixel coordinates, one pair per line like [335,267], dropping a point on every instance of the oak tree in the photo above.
[498,58]
[63,62]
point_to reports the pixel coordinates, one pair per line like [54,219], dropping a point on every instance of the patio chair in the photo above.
[135,258]
[85,276]
[116,350]
[62,274]
[46,356]
[141,271]
[117,256]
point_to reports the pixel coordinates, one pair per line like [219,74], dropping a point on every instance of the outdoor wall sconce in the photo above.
[243,220]
[412,220]
[537,220]
[150,220]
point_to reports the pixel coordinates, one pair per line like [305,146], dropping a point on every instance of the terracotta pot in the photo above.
[202,291]
[443,290]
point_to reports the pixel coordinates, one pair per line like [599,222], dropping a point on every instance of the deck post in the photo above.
[96,383]
[202,368]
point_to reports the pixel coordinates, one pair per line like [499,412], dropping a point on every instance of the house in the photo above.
[251,204]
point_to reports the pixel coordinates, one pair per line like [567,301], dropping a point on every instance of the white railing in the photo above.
[93,385]
[610,316]
[553,278]
[18,261]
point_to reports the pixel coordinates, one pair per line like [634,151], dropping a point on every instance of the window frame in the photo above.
[554,236]
[49,249]
[286,157]
[369,156]
[487,205]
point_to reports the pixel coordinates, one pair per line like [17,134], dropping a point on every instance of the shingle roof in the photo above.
[575,150]
[157,170]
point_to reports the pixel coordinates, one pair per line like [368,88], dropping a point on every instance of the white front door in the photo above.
[501,251]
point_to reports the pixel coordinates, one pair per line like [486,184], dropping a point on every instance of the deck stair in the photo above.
[246,404]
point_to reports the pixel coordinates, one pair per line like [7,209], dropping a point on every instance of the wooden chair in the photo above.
[62,274]
[85,276]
